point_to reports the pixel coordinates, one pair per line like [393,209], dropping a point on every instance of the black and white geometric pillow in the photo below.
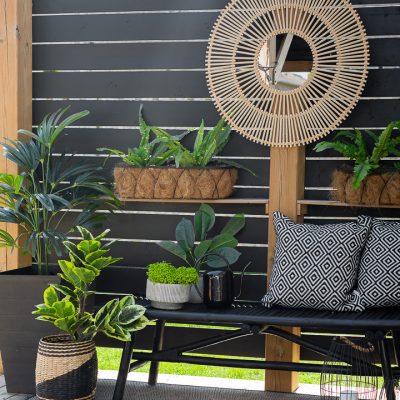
[379,273]
[315,266]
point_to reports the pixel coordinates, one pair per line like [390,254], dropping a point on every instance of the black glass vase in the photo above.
[218,288]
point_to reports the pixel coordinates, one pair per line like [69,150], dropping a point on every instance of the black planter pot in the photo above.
[20,333]
[218,288]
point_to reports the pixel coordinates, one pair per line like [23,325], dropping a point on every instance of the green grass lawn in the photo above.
[109,360]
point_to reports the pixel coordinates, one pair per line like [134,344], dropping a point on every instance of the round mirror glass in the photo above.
[285,62]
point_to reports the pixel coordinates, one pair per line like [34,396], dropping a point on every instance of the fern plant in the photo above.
[352,145]
[149,153]
[206,147]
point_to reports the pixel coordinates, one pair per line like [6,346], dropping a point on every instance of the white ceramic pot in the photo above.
[167,296]
[196,291]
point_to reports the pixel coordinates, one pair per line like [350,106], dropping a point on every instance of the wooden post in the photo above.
[15,95]
[287,167]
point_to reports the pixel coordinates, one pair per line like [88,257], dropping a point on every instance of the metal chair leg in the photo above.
[386,368]
[157,346]
[396,345]
[123,371]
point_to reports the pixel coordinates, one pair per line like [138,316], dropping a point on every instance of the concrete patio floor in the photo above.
[187,387]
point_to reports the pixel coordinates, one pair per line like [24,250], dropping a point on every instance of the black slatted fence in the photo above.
[111,56]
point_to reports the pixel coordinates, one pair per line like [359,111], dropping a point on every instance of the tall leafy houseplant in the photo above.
[195,246]
[64,306]
[48,187]
[353,145]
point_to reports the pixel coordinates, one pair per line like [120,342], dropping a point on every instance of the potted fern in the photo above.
[66,366]
[161,167]
[39,199]
[369,181]
[168,287]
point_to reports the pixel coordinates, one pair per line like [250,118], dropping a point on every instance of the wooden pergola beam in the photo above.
[287,168]
[15,95]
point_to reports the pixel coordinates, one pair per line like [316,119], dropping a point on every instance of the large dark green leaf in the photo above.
[223,258]
[223,240]
[234,225]
[204,220]
[202,248]
[184,234]
[173,248]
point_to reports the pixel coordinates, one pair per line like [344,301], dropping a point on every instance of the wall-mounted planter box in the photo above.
[214,182]
[19,331]
[376,189]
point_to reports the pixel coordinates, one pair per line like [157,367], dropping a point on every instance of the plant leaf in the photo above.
[173,248]
[184,234]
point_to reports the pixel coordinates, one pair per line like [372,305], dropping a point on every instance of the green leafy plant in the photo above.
[149,153]
[206,147]
[48,187]
[164,272]
[65,305]
[352,144]
[6,240]
[216,252]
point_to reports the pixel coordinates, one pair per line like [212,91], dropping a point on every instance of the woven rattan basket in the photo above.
[376,189]
[66,369]
[174,183]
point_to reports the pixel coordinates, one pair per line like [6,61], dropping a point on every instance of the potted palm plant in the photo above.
[40,199]
[198,249]
[66,365]
[168,287]
[370,181]
[163,168]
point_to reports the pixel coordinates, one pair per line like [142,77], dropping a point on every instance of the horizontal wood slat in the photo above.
[190,113]
[159,55]
[167,84]
[60,6]
[378,21]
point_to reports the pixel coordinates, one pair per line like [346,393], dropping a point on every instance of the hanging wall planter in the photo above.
[169,182]
[372,179]
[163,168]
[376,189]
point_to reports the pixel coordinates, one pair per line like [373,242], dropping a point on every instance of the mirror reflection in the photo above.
[285,62]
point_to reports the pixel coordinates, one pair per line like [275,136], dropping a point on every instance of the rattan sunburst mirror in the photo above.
[287,72]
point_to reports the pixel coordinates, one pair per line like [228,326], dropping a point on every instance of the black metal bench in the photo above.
[254,319]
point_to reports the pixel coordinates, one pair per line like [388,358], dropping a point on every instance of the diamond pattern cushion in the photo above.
[379,274]
[315,266]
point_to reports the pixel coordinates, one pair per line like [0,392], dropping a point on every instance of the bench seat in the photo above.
[246,319]
[256,314]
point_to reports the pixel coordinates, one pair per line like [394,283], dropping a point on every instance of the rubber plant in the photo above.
[64,306]
[352,145]
[48,187]
[195,246]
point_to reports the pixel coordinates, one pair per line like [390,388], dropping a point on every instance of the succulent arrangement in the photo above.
[47,187]
[195,246]
[353,145]
[65,304]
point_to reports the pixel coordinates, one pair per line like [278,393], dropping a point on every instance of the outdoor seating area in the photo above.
[199,199]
